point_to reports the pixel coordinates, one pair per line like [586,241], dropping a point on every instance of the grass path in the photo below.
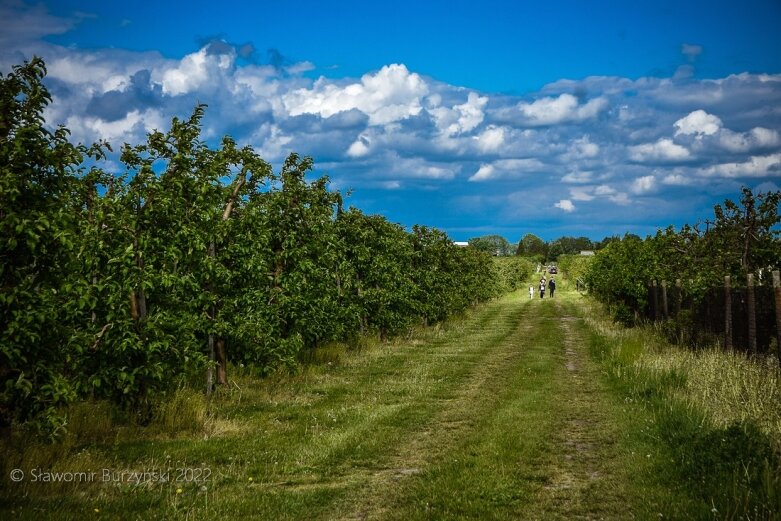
[502,415]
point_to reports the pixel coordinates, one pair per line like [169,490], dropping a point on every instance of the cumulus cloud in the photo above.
[578,177]
[460,118]
[664,150]
[756,138]
[556,110]
[196,71]
[506,168]
[755,166]
[609,141]
[390,94]
[643,184]
[582,148]
[491,139]
[137,94]
[359,147]
[698,123]
[676,180]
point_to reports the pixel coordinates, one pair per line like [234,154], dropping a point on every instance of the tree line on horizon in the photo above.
[537,249]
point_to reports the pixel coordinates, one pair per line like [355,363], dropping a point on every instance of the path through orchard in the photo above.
[500,415]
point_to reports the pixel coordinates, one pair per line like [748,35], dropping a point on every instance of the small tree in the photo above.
[492,244]
[532,246]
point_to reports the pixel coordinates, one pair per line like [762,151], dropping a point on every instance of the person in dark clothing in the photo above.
[552,286]
[542,289]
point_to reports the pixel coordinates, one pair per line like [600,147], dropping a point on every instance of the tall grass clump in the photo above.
[717,414]
[184,412]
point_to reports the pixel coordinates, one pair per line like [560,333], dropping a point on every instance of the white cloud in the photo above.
[580,194]
[755,166]
[582,148]
[609,193]
[135,123]
[491,139]
[620,198]
[643,184]
[663,150]
[506,168]
[604,190]
[358,149]
[566,205]
[698,123]
[392,128]
[676,180]
[195,71]
[756,138]
[578,177]
[391,94]
[420,168]
[461,118]
[301,67]
[565,108]
[484,173]
[87,71]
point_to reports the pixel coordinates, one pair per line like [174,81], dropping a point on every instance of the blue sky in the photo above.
[576,118]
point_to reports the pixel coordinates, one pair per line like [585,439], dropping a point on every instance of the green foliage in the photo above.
[532,246]
[40,293]
[492,244]
[120,286]
[574,266]
[742,238]
[514,272]
[568,246]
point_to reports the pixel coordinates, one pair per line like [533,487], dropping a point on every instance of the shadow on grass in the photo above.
[734,471]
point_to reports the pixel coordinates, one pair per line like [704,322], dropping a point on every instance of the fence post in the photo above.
[656,300]
[752,318]
[727,313]
[777,292]
[665,310]
[678,297]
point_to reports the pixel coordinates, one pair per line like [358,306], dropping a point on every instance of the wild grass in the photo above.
[717,413]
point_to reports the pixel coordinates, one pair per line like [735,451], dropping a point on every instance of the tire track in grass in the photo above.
[385,393]
[461,412]
[583,482]
[530,435]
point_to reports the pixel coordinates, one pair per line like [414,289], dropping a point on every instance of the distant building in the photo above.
[587,252]
[461,243]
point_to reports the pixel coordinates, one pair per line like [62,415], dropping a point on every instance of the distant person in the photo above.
[542,288]
[531,291]
[552,286]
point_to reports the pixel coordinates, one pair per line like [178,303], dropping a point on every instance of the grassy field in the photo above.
[523,409]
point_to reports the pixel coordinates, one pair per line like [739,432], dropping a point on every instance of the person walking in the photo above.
[552,286]
[542,288]
[531,291]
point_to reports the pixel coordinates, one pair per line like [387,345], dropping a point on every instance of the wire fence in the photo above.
[745,318]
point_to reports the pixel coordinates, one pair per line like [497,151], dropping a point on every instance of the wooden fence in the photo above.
[744,317]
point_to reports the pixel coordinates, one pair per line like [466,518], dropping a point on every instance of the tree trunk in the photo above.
[752,317]
[727,313]
[217,345]
[222,361]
